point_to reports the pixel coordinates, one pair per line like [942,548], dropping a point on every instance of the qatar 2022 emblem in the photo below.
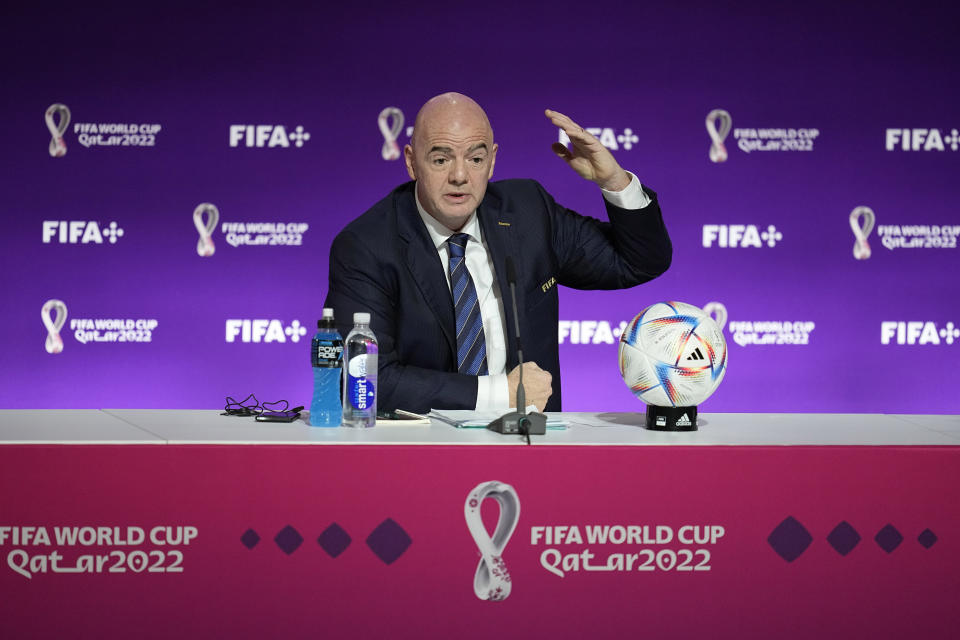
[205,246]
[390,122]
[861,223]
[718,128]
[53,313]
[492,579]
[57,118]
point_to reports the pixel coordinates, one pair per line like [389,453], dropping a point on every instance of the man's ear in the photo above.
[493,160]
[408,158]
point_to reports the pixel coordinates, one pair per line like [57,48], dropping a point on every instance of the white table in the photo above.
[153,426]
[832,525]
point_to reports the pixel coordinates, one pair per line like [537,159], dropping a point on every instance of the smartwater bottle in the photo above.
[360,374]
[326,356]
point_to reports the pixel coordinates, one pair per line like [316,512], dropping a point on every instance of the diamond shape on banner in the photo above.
[843,538]
[250,539]
[334,540]
[288,539]
[790,539]
[888,538]
[388,541]
[927,538]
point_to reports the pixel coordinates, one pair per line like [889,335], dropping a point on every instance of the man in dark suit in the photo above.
[428,261]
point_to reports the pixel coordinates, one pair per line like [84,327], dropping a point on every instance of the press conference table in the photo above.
[150,426]
[162,523]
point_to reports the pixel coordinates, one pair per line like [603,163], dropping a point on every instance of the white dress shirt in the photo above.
[492,389]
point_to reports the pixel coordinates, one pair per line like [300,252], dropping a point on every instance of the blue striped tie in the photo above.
[471,347]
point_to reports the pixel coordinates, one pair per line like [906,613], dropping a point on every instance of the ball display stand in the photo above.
[671,418]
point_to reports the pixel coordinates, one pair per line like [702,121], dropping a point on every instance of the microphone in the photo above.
[518,421]
[512,282]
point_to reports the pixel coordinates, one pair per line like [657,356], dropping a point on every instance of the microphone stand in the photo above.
[518,421]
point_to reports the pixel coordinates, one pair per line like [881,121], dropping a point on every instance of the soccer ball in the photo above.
[672,354]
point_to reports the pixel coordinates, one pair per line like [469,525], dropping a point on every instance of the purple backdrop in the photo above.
[849,91]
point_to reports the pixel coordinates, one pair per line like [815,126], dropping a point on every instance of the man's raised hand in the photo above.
[590,159]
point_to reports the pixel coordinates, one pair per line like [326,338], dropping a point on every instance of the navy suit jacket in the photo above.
[385,263]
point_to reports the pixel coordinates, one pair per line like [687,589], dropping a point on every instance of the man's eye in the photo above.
[477,161]
[439,161]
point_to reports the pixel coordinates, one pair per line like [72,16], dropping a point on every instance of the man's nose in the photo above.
[458,172]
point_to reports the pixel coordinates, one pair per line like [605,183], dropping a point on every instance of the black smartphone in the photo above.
[278,416]
[399,414]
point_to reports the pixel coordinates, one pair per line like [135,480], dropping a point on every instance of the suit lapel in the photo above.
[424,264]
[497,224]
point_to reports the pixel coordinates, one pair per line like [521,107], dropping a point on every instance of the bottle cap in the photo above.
[327,316]
[361,318]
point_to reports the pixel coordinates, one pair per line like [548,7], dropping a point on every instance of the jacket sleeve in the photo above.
[632,248]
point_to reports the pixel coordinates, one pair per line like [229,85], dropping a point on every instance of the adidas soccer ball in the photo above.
[672,354]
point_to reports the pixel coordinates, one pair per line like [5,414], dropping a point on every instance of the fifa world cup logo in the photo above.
[861,248]
[492,580]
[718,127]
[58,148]
[205,246]
[54,343]
[390,122]
[718,312]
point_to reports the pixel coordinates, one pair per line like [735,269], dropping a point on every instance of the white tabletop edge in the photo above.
[617,429]
[116,414]
[70,426]
[57,443]
[307,443]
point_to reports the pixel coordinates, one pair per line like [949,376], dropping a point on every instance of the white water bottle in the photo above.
[360,374]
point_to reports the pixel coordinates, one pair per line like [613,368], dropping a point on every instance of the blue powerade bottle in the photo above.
[326,356]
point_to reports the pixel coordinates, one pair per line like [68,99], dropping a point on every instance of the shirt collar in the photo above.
[439,233]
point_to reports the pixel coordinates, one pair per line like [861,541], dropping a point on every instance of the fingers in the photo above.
[561,150]
[561,120]
[575,132]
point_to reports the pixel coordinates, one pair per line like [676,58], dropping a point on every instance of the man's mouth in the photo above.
[456,197]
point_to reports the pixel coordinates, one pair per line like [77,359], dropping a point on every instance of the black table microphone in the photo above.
[518,421]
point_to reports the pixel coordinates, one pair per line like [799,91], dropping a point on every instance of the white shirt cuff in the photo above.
[632,197]
[492,393]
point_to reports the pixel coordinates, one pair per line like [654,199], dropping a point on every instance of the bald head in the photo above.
[449,111]
[451,156]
